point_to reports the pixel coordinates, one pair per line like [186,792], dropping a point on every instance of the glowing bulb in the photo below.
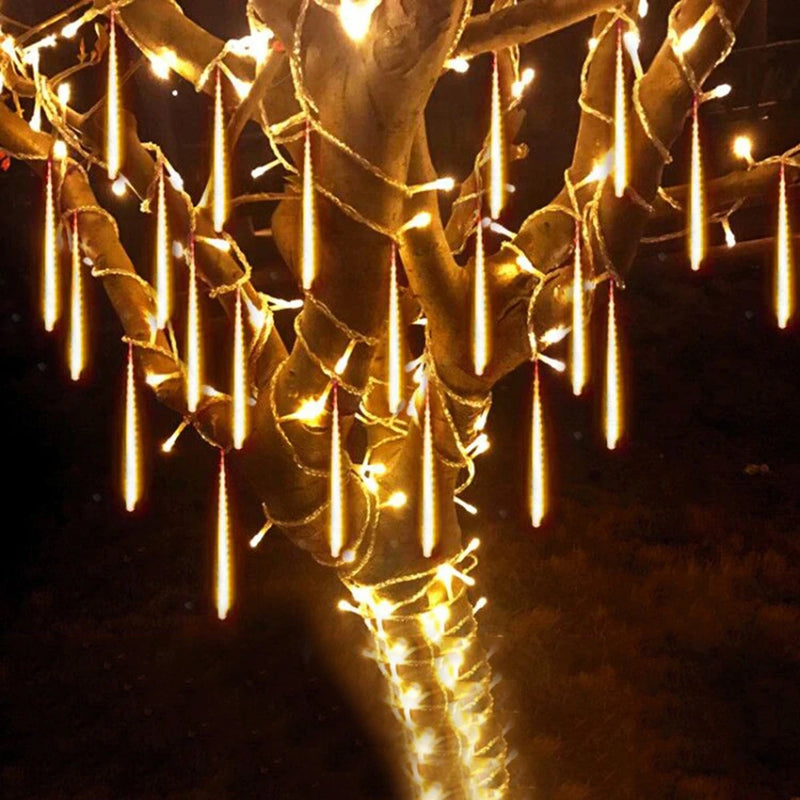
[538,498]
[219,166]
[71,28]
[309,246]
[51,306]
[743,148]
[224,582]
[193,352]
[239,393]
[579,359]
[718,92]
[421,220]
[525,79]
[336,522]
[119,187]
[264,168]
[644,7]
[76,321]
[160,65]
[497,178]
[397,500]
[480,308]
[457,64]
[428,483]
[131,482]
[697,233]
[784,289]
[60,151]
[356,16]
[163,277]
[63,93]
[613,394]
[394,354]
[113,111]
[730,237]
[689,39]
[620,123]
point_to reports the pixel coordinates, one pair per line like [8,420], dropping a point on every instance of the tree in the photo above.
[340,93]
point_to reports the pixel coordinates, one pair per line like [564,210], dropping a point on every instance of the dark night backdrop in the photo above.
[648,637]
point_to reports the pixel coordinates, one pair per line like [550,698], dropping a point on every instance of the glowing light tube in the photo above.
[480,308]
[219,164]
[579,344]
[224,581]
[784,289]
[239,393]
[131,485]
[538,497]
[428,483]
[308,256]
[51,305]
[163,261]
[193,345]
[620,122]
[336,484]
[113,104]
[613,390]
[77,336]
[697,231]
[497,168]
[394,354]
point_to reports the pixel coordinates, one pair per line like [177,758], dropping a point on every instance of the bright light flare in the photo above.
[620,121]
[538,486]
[224,577]
[309,245]
[64,93]
[612,410]
[579,339]
[394,340]
[428,483]
[743,148]
[784,289]
[497,167]
[131,481]
[219,161]
[239,393]
[481,342]
[356,16]
[77,336]
[163,263]
[697,230]
[51,306]
[336,522]
[193,346]
[113,104]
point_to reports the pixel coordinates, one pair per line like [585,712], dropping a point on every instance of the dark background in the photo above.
[647,636]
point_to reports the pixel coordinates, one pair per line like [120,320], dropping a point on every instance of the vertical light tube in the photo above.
[163,260]
[308,258]
[613,388]
[784,289]
[395,340]
[480,308]
[497,169]
[219,165]
[131,477]
[193,343]
[428,483]
[697,232]
[239,393]
[113,104]
[51,304]
[579,344]
[336,484]
[620,121]
[224,582]
[77,349]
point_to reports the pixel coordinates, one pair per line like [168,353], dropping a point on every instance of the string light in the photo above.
[224,577]
[428,483]
[579,343]
[697,232]
[163,261]
[51,306]
[336,522]
[113,104]
[620,122]
[538,498]
[394,338]
[131,478]
[481,342]
[612,415]
[193,345]
[308,258]
[356,16]
[77,357]
[497,170]
[784,289]
[219,167]
[239,393]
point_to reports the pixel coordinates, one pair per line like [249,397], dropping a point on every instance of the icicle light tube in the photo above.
[394,340]
[697,232]
[219,163]
[497,170]
[77,335]
[620,121]
[51,306]
[579,343]
[538,477]
[308,258]
[131,485]
[612,415]
[163,259]
[428,483]
[239,393]
[193,345]
[113,104]
[784,289]
[480,308]
[224,582]
[336,522]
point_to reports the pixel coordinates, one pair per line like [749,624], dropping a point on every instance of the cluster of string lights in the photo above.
[422,623]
